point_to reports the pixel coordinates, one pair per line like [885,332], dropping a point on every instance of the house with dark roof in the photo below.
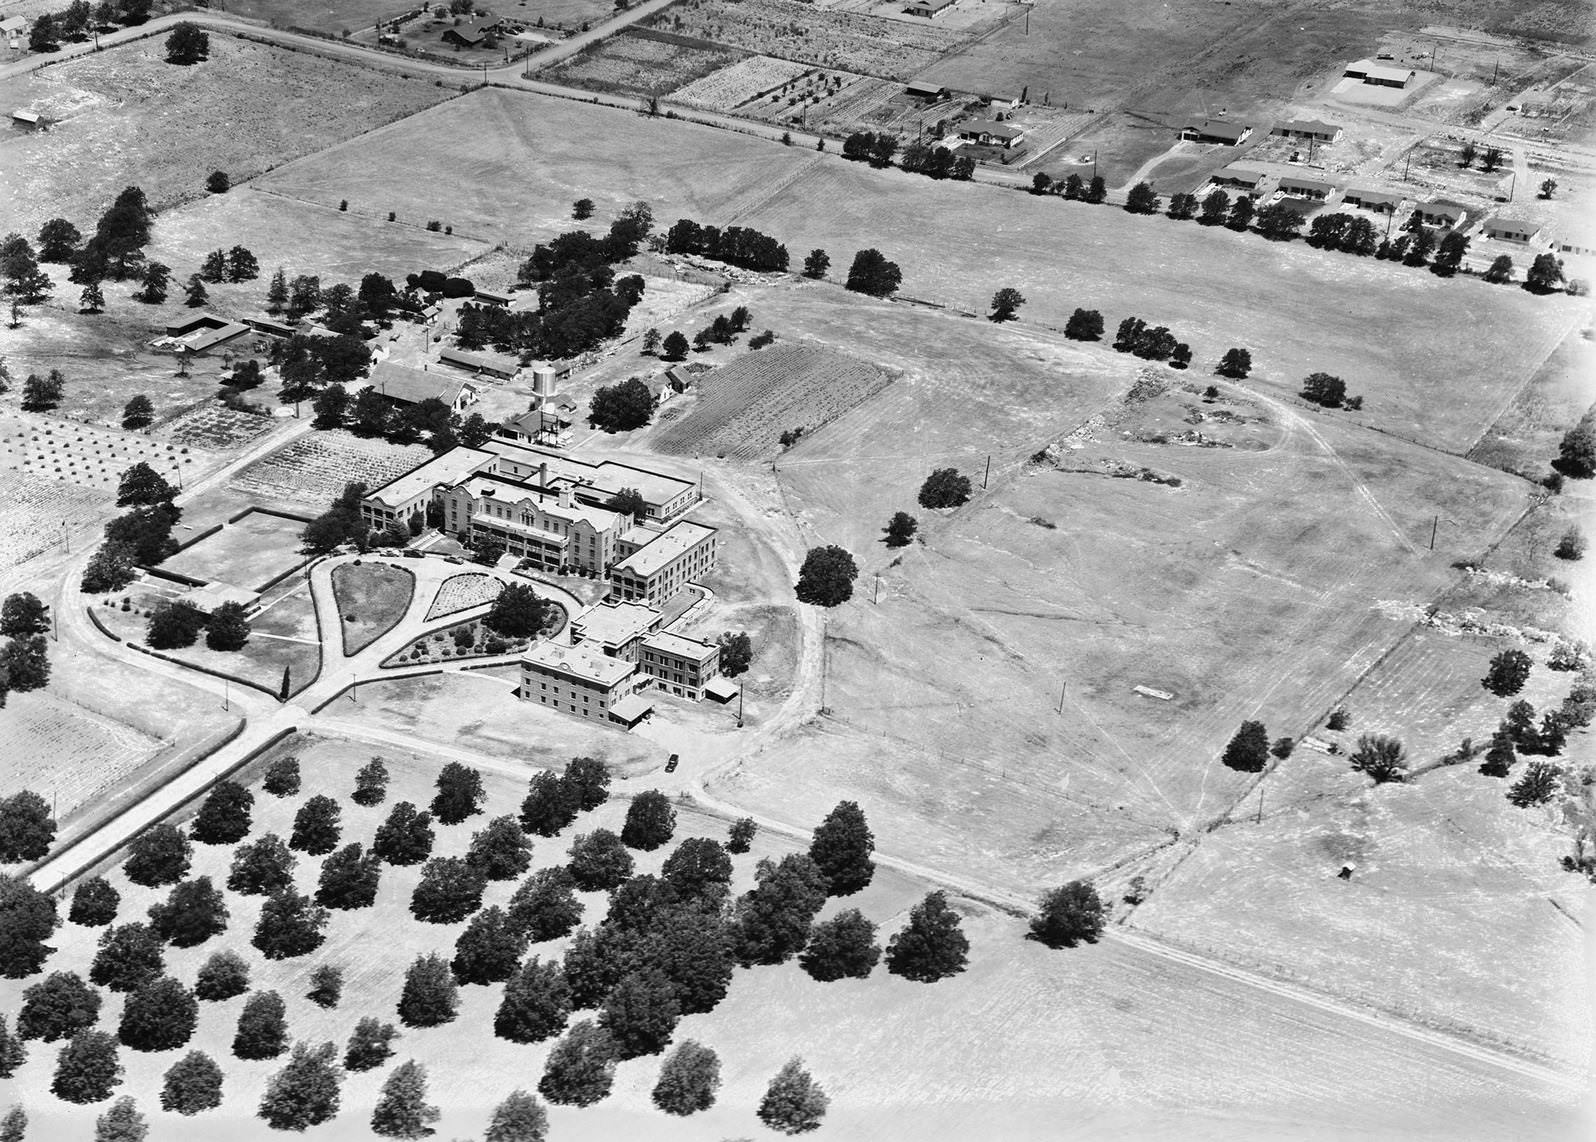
[1244,177]
[493,364]
[929,91]
[1379,75]
[1216,131]
[928,9]
[406,386]
[990,134]
[463,37]
[1442,213]
[1380,201]
[1307,129]
[1294,186]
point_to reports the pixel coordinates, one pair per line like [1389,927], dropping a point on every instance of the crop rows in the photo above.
[315,469]
[732,86]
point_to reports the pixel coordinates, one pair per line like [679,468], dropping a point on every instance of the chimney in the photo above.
[565,495]
[543,474]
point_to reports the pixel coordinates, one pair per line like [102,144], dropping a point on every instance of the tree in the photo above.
[675,346]
[241,265]
[1536,786]
[736,653]
[794,1102]
[1324,389]
[548,807]
[1510,669]
[581,1067]
[841,848]
[349,879]
[121,1123]
[156,281]
[599,861]
[640,1013]
[1142,199]
[159,1016]
[262,1027]
[58,240]
[1450,256]
[931,946]
[519,1118]
[517,612]
[58,1007]
[326,986]
[88,1069]
[1084,325]
[1241,212]
[945,488]
[94,903]
[1248,750]
[143,486]
[1501,270]
[40,394]
[27,830]
[193,1084]
[305,1092]
[402,1110]
[430,997]
[92,299]
[1182,207]
[489,950]
[316,826]
[588,782]
[460,791]
[110,569]
[872,274]
[262,868]
[405,837]
[138,412]
[536,1003]
[222,976]
[772,920]
[194,292]
[13,1124]
[291,924]
[1380,757]
[1236,363]
[1545,274]
[1571,546]
[650,821]
[1577,452]
[159,855]
[628,502]
[214,268]
[282,777]
[331,407]
[1006,304]
[277,291]
[369,1044]
[192,913]
[741,835]
[229,628]
[624,406]
[826,577]
[450,890]
[816,263]
[699,869]
[544,906]
[187,45]
[843,947]
[1096,191]
[1068,915]
[688,1080]
[13,1052]
[174,624]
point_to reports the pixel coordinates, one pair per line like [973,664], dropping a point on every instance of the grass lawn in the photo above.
[248,553]
[1022,1039]
[285,634]
[372,598]
[127,116]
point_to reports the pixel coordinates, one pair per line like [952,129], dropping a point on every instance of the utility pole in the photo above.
[739,707]
[226,694]
[1434,524]
[1063,690]
[1259,820]
[876,598]
[988,472]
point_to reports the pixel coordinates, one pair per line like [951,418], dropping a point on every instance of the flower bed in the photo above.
[470,639]
[461,592]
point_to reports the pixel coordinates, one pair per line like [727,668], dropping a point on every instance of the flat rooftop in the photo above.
[680,537]
[606,477]
[451,467]
[690,648]
[578,662]
[613,624]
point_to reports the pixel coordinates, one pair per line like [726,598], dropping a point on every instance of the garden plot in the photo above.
[461,592]
[217,427]
[89,457]
[747,79]
[79,753]
[315,469]
[36,511]
[833,39]
[641,61]
[744,407]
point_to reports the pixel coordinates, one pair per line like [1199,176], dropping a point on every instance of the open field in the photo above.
[318,15]
[1525,437]
[314,469]
[36,512]
[639,62]
[742,408]
[1104,1035]
[372,598]
[251,552]
[127,116]
[82,753]
[528,158]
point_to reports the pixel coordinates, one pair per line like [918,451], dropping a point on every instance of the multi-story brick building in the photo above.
[655,571]
[583,683]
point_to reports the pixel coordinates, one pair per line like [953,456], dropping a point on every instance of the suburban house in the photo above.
[1442,213]
[1242,177]
[990,134]
[1308,129]
[1513,230]
[580,681]
[493,364]
[406,386]
[201,332]
[463,37]
[926,91]
[524,428]
[1381,201]
[928,9]
[1379,75]
[1294,187]
[1216,131]
[11,29]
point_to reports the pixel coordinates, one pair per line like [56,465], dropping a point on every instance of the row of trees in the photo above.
[736,246]
[140,537]
[24,666]
[930,159]
[80,20]
[370,413]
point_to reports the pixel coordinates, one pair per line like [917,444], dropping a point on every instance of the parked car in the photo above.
[670,766]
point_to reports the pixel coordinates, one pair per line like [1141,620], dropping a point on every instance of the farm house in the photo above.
[991,134]
[405,386]
[1379,75]
[1216,131]
[928,9]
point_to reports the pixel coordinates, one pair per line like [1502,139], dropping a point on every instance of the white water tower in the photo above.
[543,383]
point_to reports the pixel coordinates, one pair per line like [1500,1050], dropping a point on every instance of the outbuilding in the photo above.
[928,9]
[929,91]
[1217,131]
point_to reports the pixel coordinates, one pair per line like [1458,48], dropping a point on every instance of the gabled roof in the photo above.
[1308,126]
[987,127]
[1444,208]
[1219,128]
[486,362]
[1291,182]
[1514,225]
[1369,194]
[1377,71]
[1239,174]
[412,386]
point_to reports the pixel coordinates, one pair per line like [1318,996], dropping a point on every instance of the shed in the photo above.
[402,385]
[1217,131]
[270,325]
[27,118]
[494,364]
[926,91]
[13,25]
[492,297]
[928,9]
